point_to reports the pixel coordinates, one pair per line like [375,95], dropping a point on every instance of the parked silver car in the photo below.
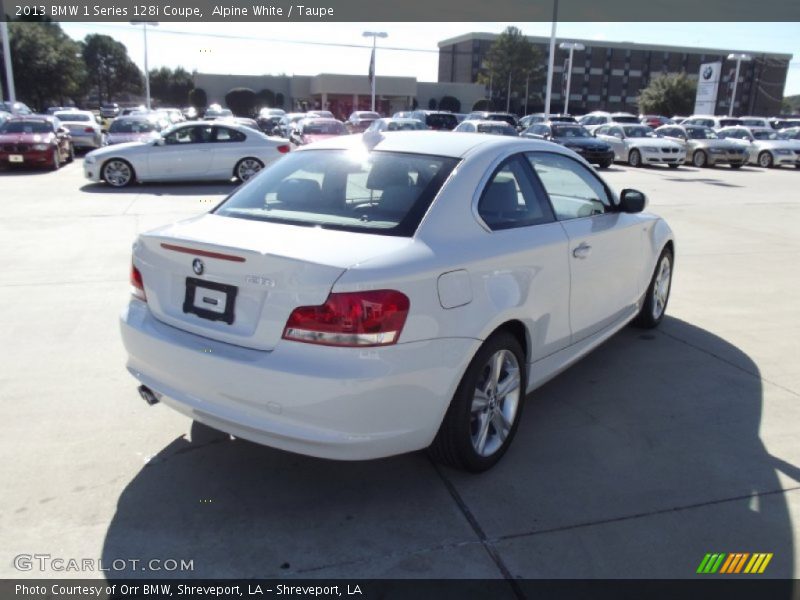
[86,132]
[764,146]
[704,148]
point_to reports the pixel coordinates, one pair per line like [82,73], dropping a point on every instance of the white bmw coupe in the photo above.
[206,151]
[370,296]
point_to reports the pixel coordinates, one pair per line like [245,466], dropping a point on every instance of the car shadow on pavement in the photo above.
[635,462]
[181,188]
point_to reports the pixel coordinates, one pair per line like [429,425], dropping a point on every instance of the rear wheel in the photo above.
[56,164]
[246,168]
[635,158]
[484,413]
[699,159]
[765,160]
[655,301]
[71,155]
[117,173]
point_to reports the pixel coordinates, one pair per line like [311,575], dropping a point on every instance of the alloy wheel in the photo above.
[495,402]
[661,286]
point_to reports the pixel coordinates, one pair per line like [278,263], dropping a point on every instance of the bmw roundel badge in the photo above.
[197,266]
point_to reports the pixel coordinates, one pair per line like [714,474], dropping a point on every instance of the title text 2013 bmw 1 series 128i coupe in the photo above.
[369,296]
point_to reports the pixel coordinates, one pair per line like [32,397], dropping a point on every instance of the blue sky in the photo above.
[272,48]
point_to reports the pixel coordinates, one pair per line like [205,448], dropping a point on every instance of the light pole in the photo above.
[738,58]
[571,46]
[12,95]
[550,60]
[374,35]
[146,68]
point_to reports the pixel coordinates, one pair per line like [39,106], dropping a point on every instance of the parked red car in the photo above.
[314,130]
[35,140]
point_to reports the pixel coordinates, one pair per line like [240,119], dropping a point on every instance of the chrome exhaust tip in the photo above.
[148,395]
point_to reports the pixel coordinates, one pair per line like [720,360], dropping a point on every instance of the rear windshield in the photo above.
[441,121]
[500,117]
[132,126]
[324,128]
[763,134]
[26,127]
[502,128]
[73,117]
[625,119]
[372,192]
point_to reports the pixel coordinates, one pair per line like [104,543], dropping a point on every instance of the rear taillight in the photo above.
[88,130]
[284,148]
[373,318]
[137,285]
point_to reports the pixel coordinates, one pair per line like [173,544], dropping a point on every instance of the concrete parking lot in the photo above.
[658,448]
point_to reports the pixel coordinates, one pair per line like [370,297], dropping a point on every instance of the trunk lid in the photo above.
[253,273]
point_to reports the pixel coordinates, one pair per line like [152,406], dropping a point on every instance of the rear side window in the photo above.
[441,121]
[573,190]
[385,193]
[224,134]
[511,199]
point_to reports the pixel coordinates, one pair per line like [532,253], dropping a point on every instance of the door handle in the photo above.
[582,251]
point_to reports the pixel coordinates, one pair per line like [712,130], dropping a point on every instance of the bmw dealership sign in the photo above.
[707,86]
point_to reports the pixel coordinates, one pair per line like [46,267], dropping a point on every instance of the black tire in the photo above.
[739,165]
[699,159]
[648,316]
[605,164]
[118,173]
[673,165]
[71,155]
[247,168]
[455,443]
[635,158]
[56,165]
[765,160]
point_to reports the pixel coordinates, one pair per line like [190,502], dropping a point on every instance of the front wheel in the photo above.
[635,158]
[657,296]
[485,410]
[736,165]
[56,164]
[699,159]
[117,173]
[673,165]
[765,160]
[71,155]
[246,168]
[605,164]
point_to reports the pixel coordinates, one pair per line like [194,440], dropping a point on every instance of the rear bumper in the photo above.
[339,403]
[87,141]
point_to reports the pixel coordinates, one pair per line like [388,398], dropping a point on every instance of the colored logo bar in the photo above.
[736,562]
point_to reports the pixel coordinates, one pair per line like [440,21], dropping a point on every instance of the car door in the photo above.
[228,145]
[605,246]
[185,153]
[614,136]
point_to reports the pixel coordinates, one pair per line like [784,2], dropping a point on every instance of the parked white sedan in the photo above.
[638,145]
[355,301]
[189,151]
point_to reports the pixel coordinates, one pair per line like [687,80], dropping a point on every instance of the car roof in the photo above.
[435,143]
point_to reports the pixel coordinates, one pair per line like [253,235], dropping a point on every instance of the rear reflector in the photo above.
[205,253]
[373,318]
[284,148]
[137,285]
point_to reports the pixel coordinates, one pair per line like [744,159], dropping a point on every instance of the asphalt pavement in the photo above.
[656,449]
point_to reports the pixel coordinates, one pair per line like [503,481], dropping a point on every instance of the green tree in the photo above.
[279,100]
[46,63]
[265,98]
[111,71]
[242,101]
[483,104]
[170,87]
[668,94]
[198,98]
[512,61]
[450,103]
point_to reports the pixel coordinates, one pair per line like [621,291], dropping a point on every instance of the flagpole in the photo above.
[551,59]
[374,35]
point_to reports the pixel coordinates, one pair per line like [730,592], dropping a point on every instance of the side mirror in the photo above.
[632,201]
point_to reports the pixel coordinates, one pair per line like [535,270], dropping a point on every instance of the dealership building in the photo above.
[605,76]
[609,75]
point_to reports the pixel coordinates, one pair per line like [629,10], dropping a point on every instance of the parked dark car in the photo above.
[34,140]
[359,120]
[437,120]
[575,137]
